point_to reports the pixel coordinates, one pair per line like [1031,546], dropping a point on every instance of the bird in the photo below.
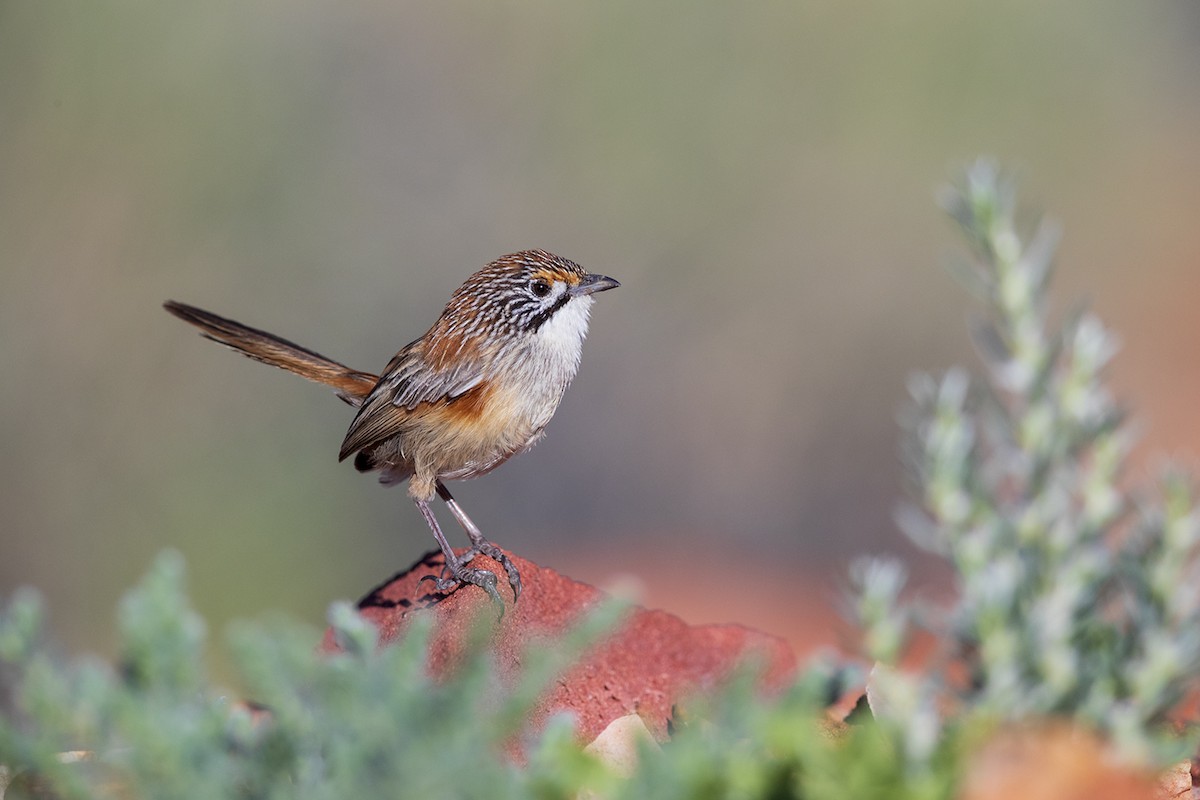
[476,389]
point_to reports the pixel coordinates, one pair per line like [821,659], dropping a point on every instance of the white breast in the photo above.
[547,360]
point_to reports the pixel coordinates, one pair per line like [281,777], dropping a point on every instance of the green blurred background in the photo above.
[759,176]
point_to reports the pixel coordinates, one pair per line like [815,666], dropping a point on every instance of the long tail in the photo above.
[351,385]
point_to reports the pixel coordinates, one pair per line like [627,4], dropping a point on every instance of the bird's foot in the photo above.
[455,574]
[484,547]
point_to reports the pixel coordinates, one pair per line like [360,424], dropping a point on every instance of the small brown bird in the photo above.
[475,390]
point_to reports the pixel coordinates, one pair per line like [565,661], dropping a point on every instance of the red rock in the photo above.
[652,662]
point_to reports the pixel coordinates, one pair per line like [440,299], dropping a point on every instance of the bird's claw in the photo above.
[499,556]
[459,575]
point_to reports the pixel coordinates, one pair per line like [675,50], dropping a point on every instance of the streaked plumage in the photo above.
[477,388]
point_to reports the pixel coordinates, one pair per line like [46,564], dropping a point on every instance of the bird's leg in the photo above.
[478,543]
[459,572]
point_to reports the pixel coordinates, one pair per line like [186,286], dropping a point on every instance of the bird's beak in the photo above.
[592,283]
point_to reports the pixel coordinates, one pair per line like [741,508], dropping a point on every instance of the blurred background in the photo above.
[760,177]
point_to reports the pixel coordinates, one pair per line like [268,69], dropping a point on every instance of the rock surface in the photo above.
[653,661]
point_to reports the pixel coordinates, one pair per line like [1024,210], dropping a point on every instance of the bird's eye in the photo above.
[539,288]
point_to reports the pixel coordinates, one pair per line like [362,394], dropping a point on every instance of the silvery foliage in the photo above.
[1076,596]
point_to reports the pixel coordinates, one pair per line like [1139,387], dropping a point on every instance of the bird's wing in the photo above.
[407,382]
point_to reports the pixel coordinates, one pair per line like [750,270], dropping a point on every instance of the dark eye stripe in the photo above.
[539,319]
